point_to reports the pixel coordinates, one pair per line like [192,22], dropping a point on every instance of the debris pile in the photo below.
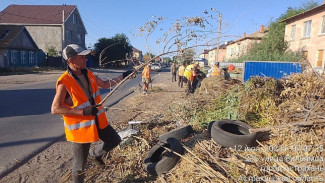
[291,112]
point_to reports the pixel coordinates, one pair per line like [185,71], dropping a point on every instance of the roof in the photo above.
[35,14]
[205,52]
[8,33]
[315,10]
[256,36]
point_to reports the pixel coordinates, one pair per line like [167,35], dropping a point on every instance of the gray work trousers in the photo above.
[110,139]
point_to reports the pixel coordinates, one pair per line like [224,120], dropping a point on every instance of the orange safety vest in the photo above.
[188,73]
[216,71]
[146,71]
[82,129]
[181,70]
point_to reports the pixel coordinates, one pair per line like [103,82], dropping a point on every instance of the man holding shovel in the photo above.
[76,99]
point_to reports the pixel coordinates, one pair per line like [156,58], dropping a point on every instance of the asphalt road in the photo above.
[26,125]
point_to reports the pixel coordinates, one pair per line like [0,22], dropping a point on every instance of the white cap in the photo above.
[73,50]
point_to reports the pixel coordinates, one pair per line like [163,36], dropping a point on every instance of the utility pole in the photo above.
[63,41]
[63,31]
[218,39]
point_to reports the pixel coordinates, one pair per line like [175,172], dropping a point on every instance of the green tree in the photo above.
[148,56]
[273,46]
[115,50]
[51,51]
[167,59]
[187,56]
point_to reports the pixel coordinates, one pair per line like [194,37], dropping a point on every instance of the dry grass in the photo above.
[299,98]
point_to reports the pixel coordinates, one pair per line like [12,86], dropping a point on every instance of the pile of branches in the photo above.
[290,113]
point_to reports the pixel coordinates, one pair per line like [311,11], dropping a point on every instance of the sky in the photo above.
[106,18]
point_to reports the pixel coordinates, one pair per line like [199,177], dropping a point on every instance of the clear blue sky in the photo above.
[105,18]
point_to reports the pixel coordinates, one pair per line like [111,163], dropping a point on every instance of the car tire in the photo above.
[179,133]
[159,160]
[210,126]
[230,133]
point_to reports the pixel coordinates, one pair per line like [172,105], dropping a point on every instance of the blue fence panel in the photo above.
[276,70]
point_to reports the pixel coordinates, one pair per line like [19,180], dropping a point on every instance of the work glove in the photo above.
[90,111]
[127,73]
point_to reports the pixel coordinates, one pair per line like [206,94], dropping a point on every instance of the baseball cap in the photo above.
[73,50]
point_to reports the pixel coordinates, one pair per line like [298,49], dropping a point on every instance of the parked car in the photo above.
[164,65]
[156,67]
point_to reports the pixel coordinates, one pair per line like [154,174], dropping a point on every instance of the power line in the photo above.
[91,37]
[95,27]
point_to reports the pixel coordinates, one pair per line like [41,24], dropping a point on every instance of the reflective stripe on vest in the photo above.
[80,125]
[83,124]
[84,105]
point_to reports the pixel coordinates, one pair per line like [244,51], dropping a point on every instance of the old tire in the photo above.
[210,126]
[179,133]
[159,160]
[230,133]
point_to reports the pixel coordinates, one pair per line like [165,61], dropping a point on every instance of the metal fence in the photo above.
[273,69]
[225,64]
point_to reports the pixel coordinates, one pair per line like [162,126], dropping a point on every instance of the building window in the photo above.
[23,57]
[31,57]
[307,28]
[293,32]
[322,31]
[13,57]
[79,38]
[74,19]
[4,34]
[69,35]
[319,62]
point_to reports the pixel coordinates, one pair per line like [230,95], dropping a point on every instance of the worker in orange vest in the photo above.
[77,93]
[215,70]
[146,78]
[189,74]
[181,70]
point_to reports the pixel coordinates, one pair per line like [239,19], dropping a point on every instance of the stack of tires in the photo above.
[166,154]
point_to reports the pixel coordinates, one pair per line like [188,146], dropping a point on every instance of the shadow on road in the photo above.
[25,102]
[31,141]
